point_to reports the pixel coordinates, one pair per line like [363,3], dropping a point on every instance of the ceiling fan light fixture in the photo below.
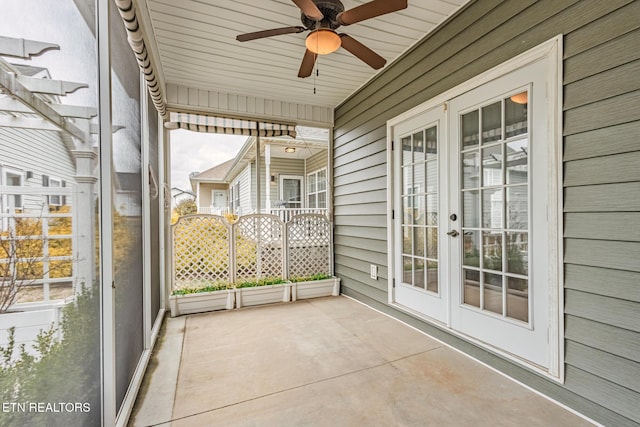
[323,41]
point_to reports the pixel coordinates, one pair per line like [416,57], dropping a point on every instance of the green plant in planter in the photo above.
[260,282]
[317,276]
[210,288]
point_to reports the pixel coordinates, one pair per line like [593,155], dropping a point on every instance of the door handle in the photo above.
[453,233]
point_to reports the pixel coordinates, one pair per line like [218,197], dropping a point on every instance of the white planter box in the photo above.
[201,302]
[315,288]
[263,295]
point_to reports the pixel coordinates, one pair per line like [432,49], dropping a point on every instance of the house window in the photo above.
[317,189]
[12,202]
[54,199]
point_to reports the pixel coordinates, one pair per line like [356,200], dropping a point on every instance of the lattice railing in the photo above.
[207,250]
[201,251]
[259,243]
[309,245]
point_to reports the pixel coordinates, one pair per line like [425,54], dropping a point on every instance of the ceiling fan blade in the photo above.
[370,10]
[308,61]
[365,54]
[309,8]
[269,33]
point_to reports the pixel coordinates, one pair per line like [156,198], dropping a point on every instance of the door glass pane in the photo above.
[492,292]
[418,209]
[470,129]
[470,170]
[418,241]
[518,299]
[432,177]
[517,153]
[431,143]
[418,146]
[432,276]
[407,179]
[517,207]
[471,287]
[432,242]
[432,209]
[419,273]
[492,250]
[492,123]
[406,150]
[492,208]
[517,253]
[407,276]
[515,110]
[471,209]
[471,248]
[492,166]
[407,240]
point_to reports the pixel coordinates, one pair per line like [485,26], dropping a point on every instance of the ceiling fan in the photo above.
[322,18]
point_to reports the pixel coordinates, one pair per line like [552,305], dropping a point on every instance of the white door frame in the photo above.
[551,49]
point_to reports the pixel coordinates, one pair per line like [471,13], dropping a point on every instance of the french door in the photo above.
[471,213]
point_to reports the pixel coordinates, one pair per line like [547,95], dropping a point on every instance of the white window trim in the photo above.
[59,185]
[553,50]
[5,171]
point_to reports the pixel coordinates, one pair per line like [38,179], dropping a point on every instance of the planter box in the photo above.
[201,302]
[263,295]
[315,288]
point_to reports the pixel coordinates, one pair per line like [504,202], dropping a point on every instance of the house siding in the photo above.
[601,146]
[48,156]
[316,162]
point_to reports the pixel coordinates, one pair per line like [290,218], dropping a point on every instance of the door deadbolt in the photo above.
[453,217]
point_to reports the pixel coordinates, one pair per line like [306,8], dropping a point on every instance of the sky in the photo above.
[197,152]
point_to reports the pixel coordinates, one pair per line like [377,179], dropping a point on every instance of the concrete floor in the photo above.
[324,362]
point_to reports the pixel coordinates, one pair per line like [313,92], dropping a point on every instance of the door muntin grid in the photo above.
[495,165]
[419,205]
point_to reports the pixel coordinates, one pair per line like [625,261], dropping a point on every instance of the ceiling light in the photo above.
[323,41]
[520,98]
[290,150]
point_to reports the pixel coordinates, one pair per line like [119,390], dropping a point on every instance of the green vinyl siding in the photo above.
[601,180]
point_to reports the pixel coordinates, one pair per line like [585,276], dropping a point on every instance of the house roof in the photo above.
[214,174]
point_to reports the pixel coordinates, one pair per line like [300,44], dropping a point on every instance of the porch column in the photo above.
[258,169]
[83,198]
[267,177]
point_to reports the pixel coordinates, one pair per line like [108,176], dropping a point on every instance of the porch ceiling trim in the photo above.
[136,41]
[229,126]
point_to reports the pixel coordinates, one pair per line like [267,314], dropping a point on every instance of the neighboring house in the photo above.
[178,196]
[295,170]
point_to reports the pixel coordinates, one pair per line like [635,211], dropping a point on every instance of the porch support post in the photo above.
[84,225]
[267,177]
[258,210]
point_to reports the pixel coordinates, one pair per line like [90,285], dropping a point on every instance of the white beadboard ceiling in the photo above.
[195,46]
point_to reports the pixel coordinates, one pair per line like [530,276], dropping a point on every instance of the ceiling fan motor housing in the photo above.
[330,9]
